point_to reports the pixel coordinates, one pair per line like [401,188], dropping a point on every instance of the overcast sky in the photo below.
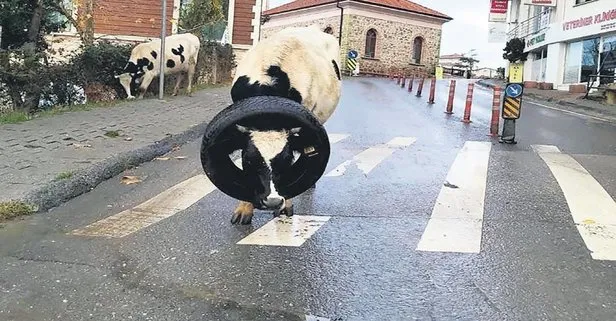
[468,29]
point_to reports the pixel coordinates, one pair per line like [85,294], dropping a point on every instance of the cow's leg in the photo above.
[178,80]
[287,210]
[145,83]
[243,213]
[191,75]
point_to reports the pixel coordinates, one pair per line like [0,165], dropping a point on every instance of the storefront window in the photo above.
[582,60]
[572,62]
[608,59]
[590,58]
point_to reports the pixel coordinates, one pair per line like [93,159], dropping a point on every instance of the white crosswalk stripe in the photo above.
[368,159]
[456,221]
[455,224]
[593,210]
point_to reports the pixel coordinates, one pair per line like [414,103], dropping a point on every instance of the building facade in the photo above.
[390,36]
[567,41]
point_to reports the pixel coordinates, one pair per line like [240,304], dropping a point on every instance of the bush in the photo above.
[96,65]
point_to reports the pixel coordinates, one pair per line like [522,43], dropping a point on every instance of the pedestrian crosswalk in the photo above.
[456,221]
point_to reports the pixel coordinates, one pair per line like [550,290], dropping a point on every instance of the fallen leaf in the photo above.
[162,158]
[588,221]
[130,180]
[180,157]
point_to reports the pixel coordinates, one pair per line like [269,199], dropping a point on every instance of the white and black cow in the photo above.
[299,63]
[181,53]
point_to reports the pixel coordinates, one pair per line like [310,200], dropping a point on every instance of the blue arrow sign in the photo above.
[353,54]
[514,90]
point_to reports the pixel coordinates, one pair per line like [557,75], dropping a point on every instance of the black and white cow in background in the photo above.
[300,63]
[181,53]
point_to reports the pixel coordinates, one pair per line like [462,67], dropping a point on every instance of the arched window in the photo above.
[329,30]
[370,44]
[417,48]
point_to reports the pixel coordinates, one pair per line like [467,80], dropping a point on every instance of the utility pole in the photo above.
[163,31]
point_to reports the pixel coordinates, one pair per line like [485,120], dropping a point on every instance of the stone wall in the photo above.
[394,45]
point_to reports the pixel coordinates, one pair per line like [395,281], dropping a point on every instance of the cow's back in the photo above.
[306,56]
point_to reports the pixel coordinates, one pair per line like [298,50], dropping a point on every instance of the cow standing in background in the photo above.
[181,53]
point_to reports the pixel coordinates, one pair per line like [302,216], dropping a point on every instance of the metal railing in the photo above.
[531,25]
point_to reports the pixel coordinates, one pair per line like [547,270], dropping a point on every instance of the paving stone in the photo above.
[43,147]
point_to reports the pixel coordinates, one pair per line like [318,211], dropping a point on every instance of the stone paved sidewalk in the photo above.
[49,160]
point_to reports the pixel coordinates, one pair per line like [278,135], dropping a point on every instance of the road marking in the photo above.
[368,159]
[285,231]
[570,112]
[457,217]
[334,138]
[160,207]
[545,149]
[593,210]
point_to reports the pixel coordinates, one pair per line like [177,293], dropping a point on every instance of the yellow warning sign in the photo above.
[439,73]
[511,108]
[351,64]
[516,73]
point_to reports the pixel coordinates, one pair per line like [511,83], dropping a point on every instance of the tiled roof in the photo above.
[395,4]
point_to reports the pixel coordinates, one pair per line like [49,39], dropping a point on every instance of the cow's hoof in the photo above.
[242,218]
[243,214]
[287,211]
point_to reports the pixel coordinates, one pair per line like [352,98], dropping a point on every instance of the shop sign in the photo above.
[606,16]
[498,11]
[535,40]
[547,3]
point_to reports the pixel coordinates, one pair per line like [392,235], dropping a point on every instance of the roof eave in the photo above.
[442,16]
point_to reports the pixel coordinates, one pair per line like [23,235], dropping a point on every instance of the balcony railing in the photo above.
[531,25]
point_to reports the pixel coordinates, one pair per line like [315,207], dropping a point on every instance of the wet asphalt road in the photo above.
[360,265]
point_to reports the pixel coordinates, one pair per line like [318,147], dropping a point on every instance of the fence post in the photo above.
[495,111]
[420,87]
[469,103]
[452,92]
[432,89]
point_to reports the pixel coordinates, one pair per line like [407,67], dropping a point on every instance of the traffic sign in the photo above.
[511,108]
[514,90]
[516,73]
[353,54]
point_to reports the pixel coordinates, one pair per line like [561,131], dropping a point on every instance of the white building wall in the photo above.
[569,22]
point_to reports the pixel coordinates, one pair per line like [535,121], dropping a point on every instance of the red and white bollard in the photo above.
[452,93]
[420,87]
[432,89]
[469,103]
[411,83]
[495,111]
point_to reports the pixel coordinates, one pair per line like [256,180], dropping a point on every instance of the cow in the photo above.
[181,53]
[298,63]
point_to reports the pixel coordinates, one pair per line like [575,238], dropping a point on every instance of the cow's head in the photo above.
[284,150]
[133,73]
[266,157]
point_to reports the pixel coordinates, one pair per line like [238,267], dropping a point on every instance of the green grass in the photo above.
[12,209]
[64,175]
[13,117]
[112,133]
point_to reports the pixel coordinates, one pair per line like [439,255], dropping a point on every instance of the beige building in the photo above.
[389,35]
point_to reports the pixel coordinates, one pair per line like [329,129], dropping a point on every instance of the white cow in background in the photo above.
[181,53]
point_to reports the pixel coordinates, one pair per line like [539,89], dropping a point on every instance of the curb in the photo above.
[56,193]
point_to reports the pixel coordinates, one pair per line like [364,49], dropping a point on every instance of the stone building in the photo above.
[389,35]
